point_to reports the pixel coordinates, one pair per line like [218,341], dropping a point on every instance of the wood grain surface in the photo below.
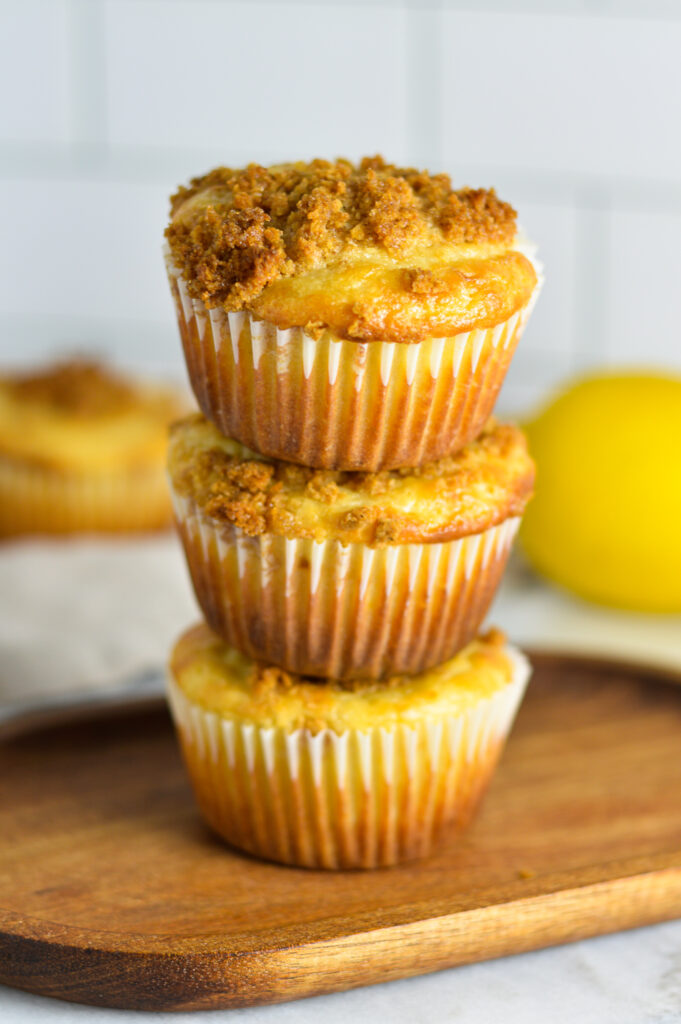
[112,892]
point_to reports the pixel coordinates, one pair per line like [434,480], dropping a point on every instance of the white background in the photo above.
[571,108]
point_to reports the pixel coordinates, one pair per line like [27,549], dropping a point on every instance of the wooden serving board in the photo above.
[113,892]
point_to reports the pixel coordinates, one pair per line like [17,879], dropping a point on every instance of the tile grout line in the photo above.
[652,10]
[591,299]
[613,10]
[425,84]
[139,164]
[89,128]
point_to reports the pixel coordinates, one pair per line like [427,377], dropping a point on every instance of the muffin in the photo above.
[340,775]
[339,574]
[346,317]
[83,449]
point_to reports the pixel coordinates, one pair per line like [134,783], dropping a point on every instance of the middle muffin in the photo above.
[346,574]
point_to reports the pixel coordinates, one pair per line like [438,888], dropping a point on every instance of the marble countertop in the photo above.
[629,978]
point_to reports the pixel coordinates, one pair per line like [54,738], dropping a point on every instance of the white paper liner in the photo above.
[321,608]
[339,404]
[356,799]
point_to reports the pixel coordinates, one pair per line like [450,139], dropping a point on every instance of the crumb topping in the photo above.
[77,387]
[234,232]
[477,487]
[422,281]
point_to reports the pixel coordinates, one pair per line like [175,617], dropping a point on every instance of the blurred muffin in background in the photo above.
[82,448]
[352,317]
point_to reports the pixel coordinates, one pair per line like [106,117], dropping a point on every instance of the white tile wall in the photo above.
[257,78]
[34,71]
[571,108]
[561,93]
[553,228]
[90,247]
[645,287]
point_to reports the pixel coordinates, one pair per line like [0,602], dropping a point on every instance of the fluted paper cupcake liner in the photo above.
[335,404]
[358,799]
[324,609]
[39,499]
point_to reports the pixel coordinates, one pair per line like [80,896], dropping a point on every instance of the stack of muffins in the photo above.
[346,505]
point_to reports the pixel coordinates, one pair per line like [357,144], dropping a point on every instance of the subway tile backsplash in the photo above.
[97,246]
[571,109]
[257,77]
[644,286]
[35,40]
[560,93]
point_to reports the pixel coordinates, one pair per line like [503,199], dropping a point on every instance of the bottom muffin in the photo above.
[340,775]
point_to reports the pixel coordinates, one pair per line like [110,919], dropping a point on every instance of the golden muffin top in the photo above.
[368,251]
[485,483]
[221,679]
[79,414]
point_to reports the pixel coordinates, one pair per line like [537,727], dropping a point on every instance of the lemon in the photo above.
[606,518]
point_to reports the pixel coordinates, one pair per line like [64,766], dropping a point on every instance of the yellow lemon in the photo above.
[606,518]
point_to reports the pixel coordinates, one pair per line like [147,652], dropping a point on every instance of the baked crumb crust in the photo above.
[238,237]
[77,387]
[487,482]
[262,223]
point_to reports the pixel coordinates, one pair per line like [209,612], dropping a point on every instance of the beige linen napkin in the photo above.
[81,614]
[546,618]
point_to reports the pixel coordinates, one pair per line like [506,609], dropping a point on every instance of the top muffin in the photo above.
[369,252]
[346,317]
